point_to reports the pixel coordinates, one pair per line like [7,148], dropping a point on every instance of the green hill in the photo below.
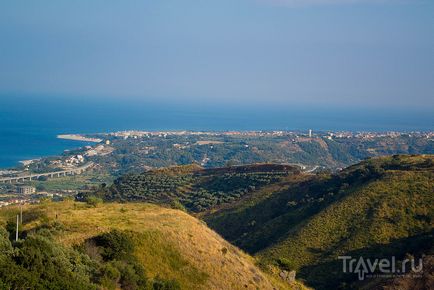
[70,245]
[380,207]
[193,187]
[292,220]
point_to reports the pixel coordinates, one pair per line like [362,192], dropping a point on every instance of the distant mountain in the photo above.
[69,245]
[377,208]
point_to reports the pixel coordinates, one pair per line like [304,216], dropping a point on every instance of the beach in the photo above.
[77,137]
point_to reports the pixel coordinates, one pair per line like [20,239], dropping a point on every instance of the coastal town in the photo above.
[308,133]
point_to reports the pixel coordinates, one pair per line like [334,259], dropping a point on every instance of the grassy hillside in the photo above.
[300,221]
[128,246]
[382,206]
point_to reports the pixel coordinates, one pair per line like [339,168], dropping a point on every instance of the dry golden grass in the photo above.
[171,243]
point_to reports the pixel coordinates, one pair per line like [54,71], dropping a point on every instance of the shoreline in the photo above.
[77,137]
[29,161]
[29,158]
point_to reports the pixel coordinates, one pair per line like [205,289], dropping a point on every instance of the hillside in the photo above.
[292,220]
[380,207]
[70,245]
[195,188]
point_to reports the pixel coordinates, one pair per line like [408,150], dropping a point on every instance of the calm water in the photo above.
[27,143]
[28,126]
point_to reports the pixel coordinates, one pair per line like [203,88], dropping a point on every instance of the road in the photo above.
[53,174]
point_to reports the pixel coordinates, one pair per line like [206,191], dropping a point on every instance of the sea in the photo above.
[29,125]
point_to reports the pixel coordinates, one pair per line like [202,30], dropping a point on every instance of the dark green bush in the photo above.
[116,245]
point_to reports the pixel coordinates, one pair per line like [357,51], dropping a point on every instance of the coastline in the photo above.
[76,137]
[23,146]
[29,161]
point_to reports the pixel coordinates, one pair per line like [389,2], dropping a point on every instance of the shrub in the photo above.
[93,201]
[116,245]
[109,276]
[175,204]
[39,263]
[160,284]
[286,264]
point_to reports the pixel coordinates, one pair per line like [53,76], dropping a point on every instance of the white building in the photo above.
[26,189]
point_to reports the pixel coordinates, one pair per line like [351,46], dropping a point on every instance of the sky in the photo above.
[324,53]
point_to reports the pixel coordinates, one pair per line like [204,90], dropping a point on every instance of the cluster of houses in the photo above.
[23,190]
[78,159]
[98,150]
[26,194]
[13,201]
[68,162]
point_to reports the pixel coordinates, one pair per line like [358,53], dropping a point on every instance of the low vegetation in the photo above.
[380,207]
[70,245]
[194,188]
[132,155]
[289,220]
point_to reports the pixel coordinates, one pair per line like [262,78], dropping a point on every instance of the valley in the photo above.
[298,221]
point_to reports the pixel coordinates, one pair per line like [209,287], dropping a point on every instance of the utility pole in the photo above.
[16,233]
[21,214]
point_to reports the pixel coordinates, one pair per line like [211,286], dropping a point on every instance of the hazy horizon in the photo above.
[90,115]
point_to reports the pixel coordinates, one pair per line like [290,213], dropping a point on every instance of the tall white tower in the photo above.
[310,133]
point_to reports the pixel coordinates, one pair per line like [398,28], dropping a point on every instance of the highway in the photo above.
[72,171]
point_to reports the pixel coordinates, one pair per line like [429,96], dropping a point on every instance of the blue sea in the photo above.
[29,125]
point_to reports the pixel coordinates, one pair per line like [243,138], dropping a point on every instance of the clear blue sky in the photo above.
[368,53]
